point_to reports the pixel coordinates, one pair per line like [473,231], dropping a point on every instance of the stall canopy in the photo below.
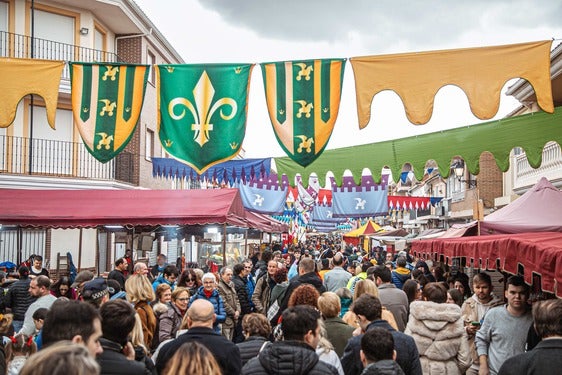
[368,228]
[90,208]
[538,252]
[538,210]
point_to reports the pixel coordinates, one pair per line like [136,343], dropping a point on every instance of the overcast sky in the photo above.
[254,31]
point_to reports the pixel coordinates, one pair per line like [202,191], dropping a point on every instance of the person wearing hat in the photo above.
[80,280]
[96,292]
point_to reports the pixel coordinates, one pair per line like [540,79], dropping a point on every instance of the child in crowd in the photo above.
[38,319]
[18,349]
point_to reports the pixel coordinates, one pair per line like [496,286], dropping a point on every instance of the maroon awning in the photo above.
[90,208]
[538,252]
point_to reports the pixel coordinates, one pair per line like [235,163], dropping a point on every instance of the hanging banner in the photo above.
[264,200]
[107,101]
[480,72]
[21,77]
[303,100]
[202,111]
[360,202]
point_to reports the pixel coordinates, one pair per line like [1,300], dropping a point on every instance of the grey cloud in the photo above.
[380,22]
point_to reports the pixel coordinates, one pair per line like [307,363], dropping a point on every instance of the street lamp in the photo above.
[458,168]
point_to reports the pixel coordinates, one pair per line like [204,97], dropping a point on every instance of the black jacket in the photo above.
[119,277]
[288,357]
[250,347]
[226,352]
[242,292]
[18,298]
[308,278]
[407,355]
[112,361]
[384,367]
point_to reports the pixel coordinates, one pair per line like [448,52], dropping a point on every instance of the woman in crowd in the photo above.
[256,330]
[338,332]
[346,299]
[277,295]
[325,349]
[209,292]
[61,358]
[454,296]
[304,294]
[438,330]
[413,290]
[367,286]
[190,280]
[62,288]
[170,321]
[192,358]
[140,294]
[461,284]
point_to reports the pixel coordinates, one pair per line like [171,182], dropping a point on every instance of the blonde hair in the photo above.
[137,336]
[61,358]
[192,358]
[324,343]
[366,286]
[5,323]
[329,304]
[139,289]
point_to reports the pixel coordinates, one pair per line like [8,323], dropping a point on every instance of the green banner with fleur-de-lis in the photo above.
[303,100]
[107,100]
[202,111]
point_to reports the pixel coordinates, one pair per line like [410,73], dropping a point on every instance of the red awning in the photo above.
[538,252]
[90,208]
[265,223]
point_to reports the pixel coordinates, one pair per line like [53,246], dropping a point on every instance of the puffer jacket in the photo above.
[251,347]
[400,275]
[231,303]
[217,302]
[169,323]
[438,330]
[383,367]
[113,361]
[242,292]
[288,357]
[18,298]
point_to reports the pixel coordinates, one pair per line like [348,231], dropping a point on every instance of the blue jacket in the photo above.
[161,280]
[217,302]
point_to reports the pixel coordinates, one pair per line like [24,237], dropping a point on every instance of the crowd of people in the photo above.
[311,308]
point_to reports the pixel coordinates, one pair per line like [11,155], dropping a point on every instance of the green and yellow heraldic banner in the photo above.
[303,100]
[106,102]
[202,111]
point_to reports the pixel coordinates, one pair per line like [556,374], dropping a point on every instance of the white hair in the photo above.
[209,275]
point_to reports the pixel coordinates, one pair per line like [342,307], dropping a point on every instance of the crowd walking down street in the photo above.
[316,307]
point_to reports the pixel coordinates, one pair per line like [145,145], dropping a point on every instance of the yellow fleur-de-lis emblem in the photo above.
[281,111]
[128,109]
[170,69]
[238,70]
[168,142]
[233,145]
[204,108]
[325,109]
[85,109]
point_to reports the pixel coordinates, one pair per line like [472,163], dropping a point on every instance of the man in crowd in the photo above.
[250,282]
[140,269]
[168,276]
[200,318]
[118,356]
[337,277]
[39,288]
[36,268]
[378,354]
[474,310]
[504,331]
[307,275]
[231,303]
[391,297]
[161,263]
[96,292]
[368,310]
[545,358]
[118,274]
[74,321]
[18,298]
[264,286]
[401,273]
[296,354]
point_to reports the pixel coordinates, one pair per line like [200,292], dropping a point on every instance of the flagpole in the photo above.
[31,99]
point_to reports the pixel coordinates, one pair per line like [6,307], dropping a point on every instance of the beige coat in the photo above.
[438,330]
[230,301]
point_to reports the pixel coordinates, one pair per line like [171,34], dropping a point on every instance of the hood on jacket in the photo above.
[288,357]
[311,278]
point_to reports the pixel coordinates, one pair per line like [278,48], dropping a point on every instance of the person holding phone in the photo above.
[474,309]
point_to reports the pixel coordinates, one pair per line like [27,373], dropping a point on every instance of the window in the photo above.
[62,33]
[151,60]
[3,16]
[149,147]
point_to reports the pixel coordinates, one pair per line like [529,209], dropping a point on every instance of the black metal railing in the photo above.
[61,159]
[19,46]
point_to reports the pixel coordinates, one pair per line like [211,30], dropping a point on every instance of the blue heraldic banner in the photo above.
[263,200]
[324,214]
[360,201]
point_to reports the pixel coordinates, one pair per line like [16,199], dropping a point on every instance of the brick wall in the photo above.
[489,180]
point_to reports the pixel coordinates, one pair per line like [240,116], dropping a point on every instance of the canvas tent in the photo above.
[538,210]
[353,237]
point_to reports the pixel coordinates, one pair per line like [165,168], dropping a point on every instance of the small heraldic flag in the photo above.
[202,111]
[107,101]
[303,100]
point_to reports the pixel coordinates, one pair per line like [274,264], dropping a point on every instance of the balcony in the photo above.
[23,46]
[60,159]
[551,168]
